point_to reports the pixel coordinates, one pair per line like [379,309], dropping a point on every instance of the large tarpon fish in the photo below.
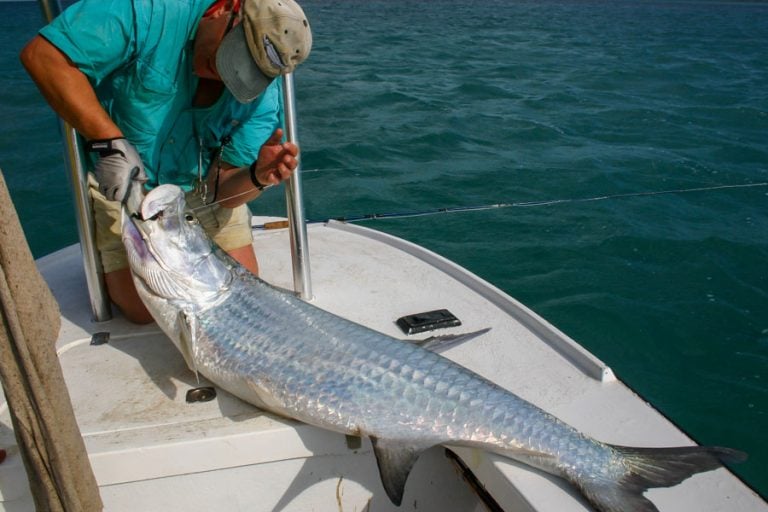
[282,354]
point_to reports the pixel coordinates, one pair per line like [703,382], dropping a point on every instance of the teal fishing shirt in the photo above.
[138,56]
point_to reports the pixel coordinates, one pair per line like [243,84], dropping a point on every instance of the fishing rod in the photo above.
[520,204]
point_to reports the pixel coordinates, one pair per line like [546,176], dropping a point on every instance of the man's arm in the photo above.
[70,94]
[276,163]
[67,90]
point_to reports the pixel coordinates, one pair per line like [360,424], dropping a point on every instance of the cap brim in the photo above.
[237,68]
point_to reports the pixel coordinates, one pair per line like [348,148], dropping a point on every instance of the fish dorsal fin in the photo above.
[186,330]
[445,341]
[395,461]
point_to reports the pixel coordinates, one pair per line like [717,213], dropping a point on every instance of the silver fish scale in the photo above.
[342,376]
[282,354]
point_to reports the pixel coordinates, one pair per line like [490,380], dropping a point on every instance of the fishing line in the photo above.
[520,204]
[233,196]
[528,204]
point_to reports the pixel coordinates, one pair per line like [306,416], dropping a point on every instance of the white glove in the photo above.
[118,167]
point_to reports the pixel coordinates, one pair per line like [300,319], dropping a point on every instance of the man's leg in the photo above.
[123,293]
[230,228]
[114,261]
[246,257]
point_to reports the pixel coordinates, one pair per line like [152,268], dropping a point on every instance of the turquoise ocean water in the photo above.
[408,106]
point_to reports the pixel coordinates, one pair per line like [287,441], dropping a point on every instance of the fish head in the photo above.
[170,256]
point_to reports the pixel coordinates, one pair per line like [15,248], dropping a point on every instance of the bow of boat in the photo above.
[151,449]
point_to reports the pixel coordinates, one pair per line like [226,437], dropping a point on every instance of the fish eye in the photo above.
[190,218]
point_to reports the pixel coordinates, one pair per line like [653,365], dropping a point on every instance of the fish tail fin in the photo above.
[648,468]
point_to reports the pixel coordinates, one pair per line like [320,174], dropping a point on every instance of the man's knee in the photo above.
[123,293]
[246,257]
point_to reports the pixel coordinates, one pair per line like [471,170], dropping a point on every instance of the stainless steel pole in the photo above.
[94,277]
[302,281]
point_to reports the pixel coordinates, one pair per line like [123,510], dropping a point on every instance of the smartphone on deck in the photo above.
[427,321]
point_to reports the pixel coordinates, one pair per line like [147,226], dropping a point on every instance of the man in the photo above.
[173,91]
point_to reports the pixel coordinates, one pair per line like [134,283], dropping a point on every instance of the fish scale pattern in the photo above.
[328,371]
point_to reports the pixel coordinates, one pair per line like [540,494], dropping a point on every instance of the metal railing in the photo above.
[100,304]
[302,281]
[94,277]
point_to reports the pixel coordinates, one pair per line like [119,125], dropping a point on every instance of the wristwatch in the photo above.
[256,183]
[103,147]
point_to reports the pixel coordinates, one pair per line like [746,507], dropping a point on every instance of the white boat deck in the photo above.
[153,451]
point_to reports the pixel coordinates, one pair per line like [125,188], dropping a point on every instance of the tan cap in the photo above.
[272,39]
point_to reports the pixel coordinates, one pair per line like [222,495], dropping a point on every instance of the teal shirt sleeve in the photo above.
[97,35]
[252,133]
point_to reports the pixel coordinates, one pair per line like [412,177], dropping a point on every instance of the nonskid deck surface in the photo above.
[129,395]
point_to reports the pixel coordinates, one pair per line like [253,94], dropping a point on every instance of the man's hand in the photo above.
[276,161]
[118,168]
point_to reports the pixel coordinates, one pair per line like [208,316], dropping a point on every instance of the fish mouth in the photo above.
[158,201]
[138,227]
[134,240]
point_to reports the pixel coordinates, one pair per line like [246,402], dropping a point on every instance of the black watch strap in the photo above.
[102,146]
[256,183]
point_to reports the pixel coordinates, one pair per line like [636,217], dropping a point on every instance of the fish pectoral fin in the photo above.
[445,341]
[395,460]
[186,329]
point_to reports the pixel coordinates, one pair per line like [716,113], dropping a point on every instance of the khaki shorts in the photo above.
[230,228]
